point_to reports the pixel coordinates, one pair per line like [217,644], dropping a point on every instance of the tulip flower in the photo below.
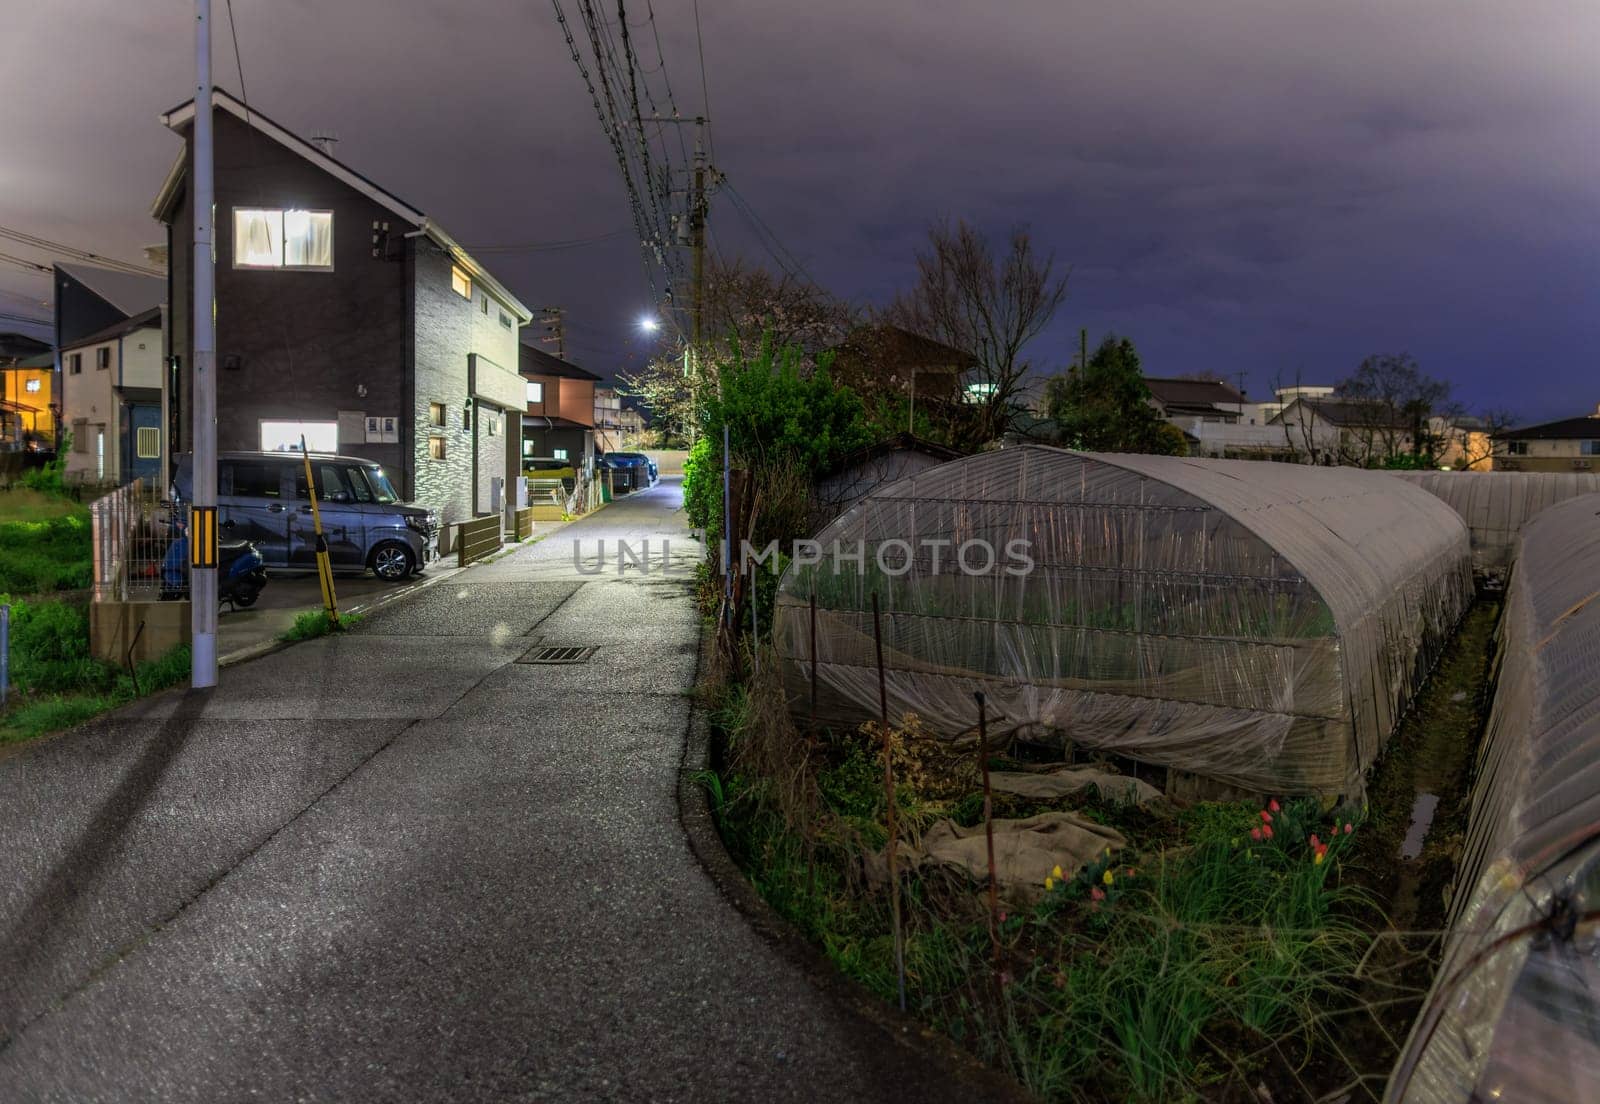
[1049,883]
[1273,805]
[1348,828]
[1255,834]
[1096,893]
[1266,830]
[1319,857]
[1108,877]
[1315,842]
[1055,872]
[1266,817]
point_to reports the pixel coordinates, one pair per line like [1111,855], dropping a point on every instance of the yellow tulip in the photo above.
[1318,859]
[1049,883]
[1107,877]
[1055,872]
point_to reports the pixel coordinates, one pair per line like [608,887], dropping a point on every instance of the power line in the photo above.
[31,266]
[58,249]
[549,246]
[705,93]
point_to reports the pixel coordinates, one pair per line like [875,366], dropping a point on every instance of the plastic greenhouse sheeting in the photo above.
[1259,624]
[1514,1013]
[1496,505]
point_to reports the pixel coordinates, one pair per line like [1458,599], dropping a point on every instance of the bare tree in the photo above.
[1389,402]
[1467,441]
[989,308]
[746,304]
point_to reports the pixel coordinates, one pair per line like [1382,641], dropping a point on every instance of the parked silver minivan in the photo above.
[261,497]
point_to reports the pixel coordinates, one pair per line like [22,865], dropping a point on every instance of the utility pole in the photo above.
[555,330]
[697,235]
[203,358]
[1083,349]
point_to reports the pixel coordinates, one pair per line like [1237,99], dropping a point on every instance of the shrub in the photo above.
[50,649]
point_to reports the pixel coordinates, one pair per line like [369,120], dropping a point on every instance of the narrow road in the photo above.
[402,864]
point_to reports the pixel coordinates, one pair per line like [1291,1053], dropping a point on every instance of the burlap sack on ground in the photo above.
[1045,785]
[1025,851]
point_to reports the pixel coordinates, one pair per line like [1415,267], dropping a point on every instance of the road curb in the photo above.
[927,1064]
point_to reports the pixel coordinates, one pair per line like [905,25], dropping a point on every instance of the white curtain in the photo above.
[308,238]
[257,237]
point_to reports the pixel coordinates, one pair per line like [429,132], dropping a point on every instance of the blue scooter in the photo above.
[241,572]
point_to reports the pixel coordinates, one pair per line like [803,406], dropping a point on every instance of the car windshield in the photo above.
[382,489]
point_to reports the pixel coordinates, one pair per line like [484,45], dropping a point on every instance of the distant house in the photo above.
[346,315]
[559,414]
[91,300]
[1571,444]
[27,391]
[1187,400]
[111,401]
[618,423]
[878,358]
[1333,430]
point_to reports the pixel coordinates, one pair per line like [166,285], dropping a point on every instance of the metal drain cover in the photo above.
[556,654]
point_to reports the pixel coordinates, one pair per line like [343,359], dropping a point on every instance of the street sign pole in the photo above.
[203,579]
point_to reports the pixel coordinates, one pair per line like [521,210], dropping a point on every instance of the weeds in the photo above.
[314,623]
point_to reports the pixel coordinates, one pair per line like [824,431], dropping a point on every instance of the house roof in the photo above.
[145,320]
[182,115]
[38,360]
[537,362]
[1191,392]
[553,421]
[900,442]
[17,346]
[1341,412]
[1586,428]
[896,345]
[129,292]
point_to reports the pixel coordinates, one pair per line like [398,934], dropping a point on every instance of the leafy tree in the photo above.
[1104,406]
[778,418]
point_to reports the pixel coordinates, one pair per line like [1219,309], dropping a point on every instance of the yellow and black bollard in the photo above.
[330,601]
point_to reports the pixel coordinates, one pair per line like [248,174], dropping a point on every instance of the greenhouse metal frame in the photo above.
[1258,624]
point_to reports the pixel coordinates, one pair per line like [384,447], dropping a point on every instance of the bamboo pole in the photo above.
[888,793]
[988,831]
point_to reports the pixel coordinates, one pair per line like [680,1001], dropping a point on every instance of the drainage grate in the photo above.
[557,654]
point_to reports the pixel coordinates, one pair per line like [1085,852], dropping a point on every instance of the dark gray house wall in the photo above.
[306,345]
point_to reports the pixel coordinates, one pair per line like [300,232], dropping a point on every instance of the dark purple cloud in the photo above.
[1268,187]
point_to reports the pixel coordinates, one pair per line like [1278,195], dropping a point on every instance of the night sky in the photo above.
[1273,187]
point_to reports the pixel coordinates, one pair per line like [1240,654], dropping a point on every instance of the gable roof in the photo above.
[1586,428]
[1341,412]
[146,320]
[894,345]
[16,346]
[537,362]
[182,116]
[128,292]
[1169,391]
[899,442]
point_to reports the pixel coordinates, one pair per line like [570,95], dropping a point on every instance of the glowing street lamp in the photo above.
[649,324]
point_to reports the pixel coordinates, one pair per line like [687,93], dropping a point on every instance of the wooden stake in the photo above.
[888,793]
[812,730]
[988,831]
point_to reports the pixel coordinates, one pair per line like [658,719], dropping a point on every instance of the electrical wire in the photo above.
[705,93]
[549,246]
[84,255]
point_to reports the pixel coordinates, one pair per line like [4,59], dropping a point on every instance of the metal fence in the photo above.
[140,545]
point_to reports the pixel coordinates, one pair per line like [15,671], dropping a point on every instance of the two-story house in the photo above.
[558,419]
[1571,444]
[27,391]
[343,315]
[111,401]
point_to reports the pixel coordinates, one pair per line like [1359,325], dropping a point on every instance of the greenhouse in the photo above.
[1496,505]
[1259,625]
[1515,1009]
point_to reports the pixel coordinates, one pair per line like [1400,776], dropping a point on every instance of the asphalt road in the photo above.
[403,865]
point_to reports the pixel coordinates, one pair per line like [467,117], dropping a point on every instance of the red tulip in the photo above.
[1273,805]
[1255,834]
[1266,830]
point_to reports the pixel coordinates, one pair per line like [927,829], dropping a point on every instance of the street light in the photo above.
[649,324]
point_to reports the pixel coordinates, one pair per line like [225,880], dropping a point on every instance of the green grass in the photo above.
[314,623]
[39,554]
[23,504]
[103,689]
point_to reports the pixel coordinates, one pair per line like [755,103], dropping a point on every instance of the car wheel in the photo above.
[392,562]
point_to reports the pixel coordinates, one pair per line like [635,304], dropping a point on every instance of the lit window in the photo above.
[536,392]
[285,436]
[559,454]
[269,237]
[527,448]
[34,385]
[436,414]
[147,443]
[980,392]
[436,448]
[460,282]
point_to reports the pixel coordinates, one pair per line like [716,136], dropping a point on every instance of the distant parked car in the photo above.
[262,498]
[640,471]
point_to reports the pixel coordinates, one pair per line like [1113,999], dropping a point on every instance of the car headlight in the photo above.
[420,524]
